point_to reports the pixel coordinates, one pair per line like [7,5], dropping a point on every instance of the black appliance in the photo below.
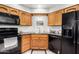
[9,43]
[70,33]
[54,43]
[8,19]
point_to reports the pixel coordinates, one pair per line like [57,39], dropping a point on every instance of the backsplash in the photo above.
[40,28]
[56,29]
[36,19]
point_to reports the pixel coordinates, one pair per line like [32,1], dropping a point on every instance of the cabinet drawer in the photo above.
[43,38]
[39,35]
[43,35]
[26,36]
[26,40]
[35,36]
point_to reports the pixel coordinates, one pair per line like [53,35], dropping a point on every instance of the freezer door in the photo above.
[68,20]
[77,15]
[77,36]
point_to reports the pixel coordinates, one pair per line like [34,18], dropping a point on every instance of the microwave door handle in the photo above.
[75,33]
[18,20]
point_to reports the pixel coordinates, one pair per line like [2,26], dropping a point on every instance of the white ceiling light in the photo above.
[39,6]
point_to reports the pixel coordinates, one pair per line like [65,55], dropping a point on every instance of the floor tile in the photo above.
[39,52]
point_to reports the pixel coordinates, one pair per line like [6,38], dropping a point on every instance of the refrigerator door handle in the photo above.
[74,42]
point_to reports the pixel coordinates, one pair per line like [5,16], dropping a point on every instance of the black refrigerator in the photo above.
[70,33]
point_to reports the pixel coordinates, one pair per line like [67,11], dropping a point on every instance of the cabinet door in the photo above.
[25,19]
[43,43]
[35,43]
[58,17]
[14,11]
[55,18]
[25,48]
[55,44]
[29,19]
[72,8]
[4,9]
[51,19]
[25,43]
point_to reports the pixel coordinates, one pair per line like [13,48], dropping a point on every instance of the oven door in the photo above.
[9,45]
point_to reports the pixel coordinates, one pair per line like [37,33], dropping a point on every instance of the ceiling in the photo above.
[43,6]
[40,8]
[35,6]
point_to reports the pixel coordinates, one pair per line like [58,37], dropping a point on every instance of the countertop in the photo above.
[24,33]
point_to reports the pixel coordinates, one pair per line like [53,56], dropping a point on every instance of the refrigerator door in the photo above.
[68,41]
[68,47]
[77,15]
[77,36]
[68,20]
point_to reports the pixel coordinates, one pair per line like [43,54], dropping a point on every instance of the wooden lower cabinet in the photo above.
[34,43]
[25,47]
[25,43]
[39,41]
[43,43]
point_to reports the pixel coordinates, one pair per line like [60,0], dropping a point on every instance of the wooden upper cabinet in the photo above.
[25,19]
[71,8]
[51,19]
[55,18]
[4,9]
[58,17]
[13,11]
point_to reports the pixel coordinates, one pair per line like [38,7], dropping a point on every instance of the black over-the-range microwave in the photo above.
[9,19]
